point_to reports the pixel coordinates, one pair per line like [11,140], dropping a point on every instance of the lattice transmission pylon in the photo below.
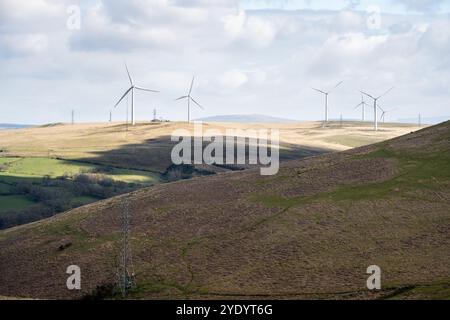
[125,274]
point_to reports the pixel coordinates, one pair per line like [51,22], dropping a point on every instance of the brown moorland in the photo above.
[309,232]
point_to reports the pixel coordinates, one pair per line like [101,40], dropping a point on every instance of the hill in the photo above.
[246,118]
[53,168]
[309,232]
[425,120]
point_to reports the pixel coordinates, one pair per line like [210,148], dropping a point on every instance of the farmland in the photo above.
[28,184]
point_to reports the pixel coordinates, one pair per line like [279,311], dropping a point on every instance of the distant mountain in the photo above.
[426,120]
[10,126]
[244,118]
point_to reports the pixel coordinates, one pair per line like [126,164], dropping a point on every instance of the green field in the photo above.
[53,168]
[57,185]
[8,160]
[14,202]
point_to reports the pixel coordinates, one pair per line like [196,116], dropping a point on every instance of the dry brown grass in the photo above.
[112,144]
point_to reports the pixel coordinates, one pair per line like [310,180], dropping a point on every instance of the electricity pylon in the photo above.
[125,273]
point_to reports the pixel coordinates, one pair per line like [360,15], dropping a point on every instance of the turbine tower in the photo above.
[326,94]
[363,104]
[189,99]
[375,106]
[131,90]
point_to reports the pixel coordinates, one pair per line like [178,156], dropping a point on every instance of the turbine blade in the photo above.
[180,98]
[192,85]
[129,76]
[197,103]
[143,89]
[359,105]
[319,91]
[336,86]
[386,93]
[124,95]
[367,95]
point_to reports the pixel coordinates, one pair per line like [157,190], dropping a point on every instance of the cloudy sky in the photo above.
[249,56]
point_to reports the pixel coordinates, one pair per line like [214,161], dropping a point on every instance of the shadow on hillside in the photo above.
[154,155]
[50,196]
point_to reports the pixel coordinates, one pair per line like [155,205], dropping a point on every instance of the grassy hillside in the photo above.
[50,169]
[145,145]
[309,232]
[34,188]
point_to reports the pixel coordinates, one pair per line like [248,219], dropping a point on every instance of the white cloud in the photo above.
[233,78]
[422,5]
[267,58]
[22,44]
[13,10]
[353,44]
[249,29]
[437,37]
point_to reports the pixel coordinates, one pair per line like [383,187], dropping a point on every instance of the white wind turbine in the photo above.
[326,94]
[189,99]
[384,112]
[363,104]
[375,106]
[131,90]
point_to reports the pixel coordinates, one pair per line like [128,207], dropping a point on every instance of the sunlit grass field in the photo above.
[16,173]
[53,168]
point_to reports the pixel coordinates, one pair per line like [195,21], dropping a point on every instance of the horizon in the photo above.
[425,120]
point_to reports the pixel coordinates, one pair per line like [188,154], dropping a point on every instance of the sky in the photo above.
[248,57]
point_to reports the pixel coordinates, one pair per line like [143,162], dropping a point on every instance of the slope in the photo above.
[309,232]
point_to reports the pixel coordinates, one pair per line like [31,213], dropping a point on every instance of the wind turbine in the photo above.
[384,113]
[189,99]
[326,93]
[131,90]
[375,106]
[363,104]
